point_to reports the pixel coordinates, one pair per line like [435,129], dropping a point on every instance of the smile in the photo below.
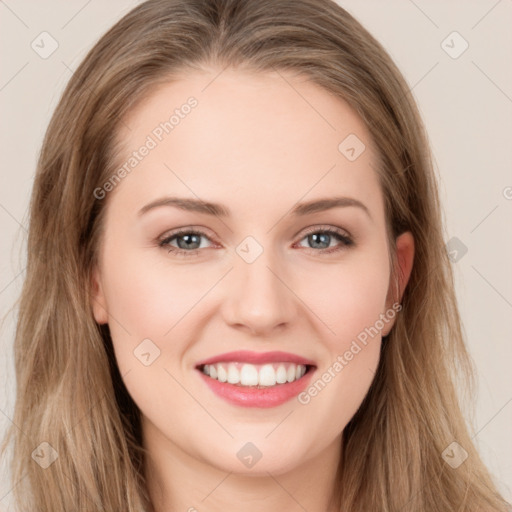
[252,375]
[255,379]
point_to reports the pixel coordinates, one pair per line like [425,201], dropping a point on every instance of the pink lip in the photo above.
[254,397]
[246,356]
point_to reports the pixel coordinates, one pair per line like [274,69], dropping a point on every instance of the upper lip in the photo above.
[246,356]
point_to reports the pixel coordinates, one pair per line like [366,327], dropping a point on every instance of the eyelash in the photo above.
[337,233]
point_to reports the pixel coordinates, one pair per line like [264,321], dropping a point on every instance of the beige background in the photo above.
[466,103]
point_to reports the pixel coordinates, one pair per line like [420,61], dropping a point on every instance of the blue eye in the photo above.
[188,241]
[318,237]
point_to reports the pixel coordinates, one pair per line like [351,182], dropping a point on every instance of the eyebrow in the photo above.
[209,208]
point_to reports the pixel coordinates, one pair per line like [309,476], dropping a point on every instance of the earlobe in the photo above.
[98,302]
[404,260]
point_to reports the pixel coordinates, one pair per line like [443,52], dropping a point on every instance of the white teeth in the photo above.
[222,376]
[267,375]
[233,374]
[245,374]
[281,375]
[249,375]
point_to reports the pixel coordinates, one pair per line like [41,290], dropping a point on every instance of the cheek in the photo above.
[150,299]
[346,297]
[350,301]
[149,307]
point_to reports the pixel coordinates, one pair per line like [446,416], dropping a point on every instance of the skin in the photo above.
[258,144]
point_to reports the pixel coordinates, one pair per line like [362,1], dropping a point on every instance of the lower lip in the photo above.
[255,397]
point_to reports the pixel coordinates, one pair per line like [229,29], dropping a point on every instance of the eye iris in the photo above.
[319,238]
[189,239]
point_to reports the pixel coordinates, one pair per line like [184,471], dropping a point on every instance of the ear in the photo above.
[404,248]
[98,301]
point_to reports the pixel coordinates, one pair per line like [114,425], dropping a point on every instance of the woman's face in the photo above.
[280,267]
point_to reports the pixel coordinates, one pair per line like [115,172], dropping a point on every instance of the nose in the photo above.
[258,297]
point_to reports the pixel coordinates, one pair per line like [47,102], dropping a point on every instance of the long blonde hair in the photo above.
[69,391]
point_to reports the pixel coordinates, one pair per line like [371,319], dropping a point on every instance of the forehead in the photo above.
[216,134]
